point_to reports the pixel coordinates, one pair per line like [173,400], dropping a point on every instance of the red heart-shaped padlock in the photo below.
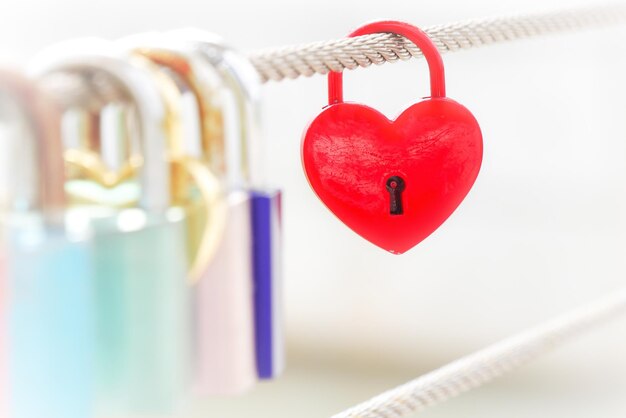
[393,182]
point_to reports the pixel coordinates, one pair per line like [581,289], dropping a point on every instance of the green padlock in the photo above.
[116,148]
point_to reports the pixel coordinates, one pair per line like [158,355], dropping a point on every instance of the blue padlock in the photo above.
[50,341]
[3,332]
[122,172]
[245,151]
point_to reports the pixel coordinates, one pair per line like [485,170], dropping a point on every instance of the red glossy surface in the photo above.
[350,152]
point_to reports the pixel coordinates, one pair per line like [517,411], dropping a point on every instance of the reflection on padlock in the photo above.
[225,360]
[116,145]
[244,147]
[50,281]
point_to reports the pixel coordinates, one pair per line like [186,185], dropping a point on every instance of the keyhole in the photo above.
[395,186]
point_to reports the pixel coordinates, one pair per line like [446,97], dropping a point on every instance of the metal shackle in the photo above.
[37,182]
[242,82]
[415,35]
[96,73]
[207,86]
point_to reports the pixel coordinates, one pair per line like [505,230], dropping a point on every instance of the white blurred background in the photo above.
[543,230]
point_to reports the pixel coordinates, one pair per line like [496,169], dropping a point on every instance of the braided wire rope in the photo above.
[487,364]
[291,62]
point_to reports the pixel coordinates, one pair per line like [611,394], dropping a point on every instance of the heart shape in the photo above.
[350,153]
[89,164]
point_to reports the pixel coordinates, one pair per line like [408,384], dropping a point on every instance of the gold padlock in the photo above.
[194,184]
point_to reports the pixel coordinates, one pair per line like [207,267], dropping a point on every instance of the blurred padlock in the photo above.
[51,305]
[6,134]
[247,152]
[115,132]
[3,330]
[229,96]
[194,186]
[223,317]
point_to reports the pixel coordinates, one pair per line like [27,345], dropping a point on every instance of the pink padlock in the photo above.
[225,362]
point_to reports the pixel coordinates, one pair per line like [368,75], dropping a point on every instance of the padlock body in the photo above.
[350,152]
[51,325]
[4,364]
[267,255]
[142,314]
[223,300]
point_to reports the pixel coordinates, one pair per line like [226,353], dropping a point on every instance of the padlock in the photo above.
[122,168]
[393,181]
[246,146]
[3,330]
[5,189]
[50,341]
[194,186]
[223,315]
[224,332]
[244,162]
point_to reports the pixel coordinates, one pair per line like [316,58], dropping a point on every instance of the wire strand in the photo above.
[485,365]
[349,53]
